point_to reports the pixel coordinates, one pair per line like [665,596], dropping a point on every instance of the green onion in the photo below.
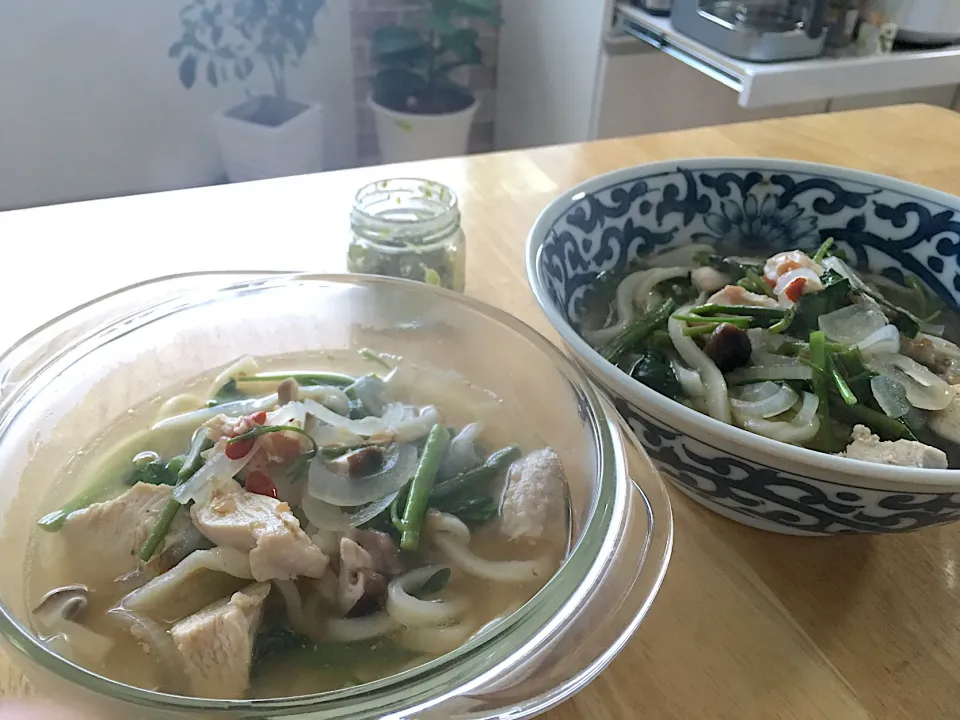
[191,464]
[822,252]
[323,378]
[821,386]
[636,333]
[266,429]
[849,397]
[886,427]
[740,310]
[421,487]
[496,463]
[760,284]
[741,322]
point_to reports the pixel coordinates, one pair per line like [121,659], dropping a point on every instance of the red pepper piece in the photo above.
[260,483]
[238,449]
[794,290]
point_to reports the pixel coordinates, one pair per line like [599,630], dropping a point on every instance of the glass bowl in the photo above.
[63,383]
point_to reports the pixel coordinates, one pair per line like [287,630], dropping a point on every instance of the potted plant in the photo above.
[420,110]
[225,41]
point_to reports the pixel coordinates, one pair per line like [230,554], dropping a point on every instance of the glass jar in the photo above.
[408,228]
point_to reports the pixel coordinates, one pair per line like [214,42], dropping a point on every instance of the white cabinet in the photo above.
[942,95]
[649,91]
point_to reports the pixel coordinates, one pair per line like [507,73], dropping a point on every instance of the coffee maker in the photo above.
[755,30]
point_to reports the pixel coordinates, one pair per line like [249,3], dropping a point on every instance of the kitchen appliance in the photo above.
[756,30]
[654,7]
[928,22]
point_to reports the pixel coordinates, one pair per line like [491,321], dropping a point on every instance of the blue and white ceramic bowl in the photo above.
[764,206]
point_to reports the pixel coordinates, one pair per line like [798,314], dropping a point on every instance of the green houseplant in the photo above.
[226,41]
[420,109]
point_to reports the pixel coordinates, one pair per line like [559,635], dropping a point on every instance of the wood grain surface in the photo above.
[748,624]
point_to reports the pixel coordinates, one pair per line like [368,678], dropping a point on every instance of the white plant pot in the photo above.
[407,136]
[267,137]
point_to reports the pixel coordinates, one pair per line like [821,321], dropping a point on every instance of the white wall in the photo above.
[91,105]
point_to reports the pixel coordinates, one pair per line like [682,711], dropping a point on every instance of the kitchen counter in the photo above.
[748,625]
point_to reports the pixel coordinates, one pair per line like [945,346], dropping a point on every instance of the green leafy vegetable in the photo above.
[272,641]
[653,369]
[157,472]
[680,290]
[836,294]
[823,252]
[728,266]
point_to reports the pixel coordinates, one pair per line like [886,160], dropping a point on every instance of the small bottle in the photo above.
[410,229]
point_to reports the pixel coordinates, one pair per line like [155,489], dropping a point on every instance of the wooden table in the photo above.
[747,624]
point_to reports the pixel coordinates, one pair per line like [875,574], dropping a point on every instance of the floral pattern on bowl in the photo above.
[757,207]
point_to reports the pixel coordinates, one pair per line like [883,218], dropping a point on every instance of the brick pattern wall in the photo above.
[367,16]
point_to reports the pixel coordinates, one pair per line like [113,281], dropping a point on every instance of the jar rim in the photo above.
[405,212]
[481,659]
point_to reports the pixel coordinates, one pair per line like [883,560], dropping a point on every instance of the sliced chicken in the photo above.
[534,500]
[263,527]
[217,643]
[906,453]
[113,531]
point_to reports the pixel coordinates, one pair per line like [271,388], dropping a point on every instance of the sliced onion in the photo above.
[765,341]
[688,378]
[435,640]
[293,413]
[884,341]
[191,420]
[414,612]
[841,268]
[365,427]
[346,491]
[807,412]
[326,517]
[329,436]
[802,428]
[417,427]
[332,397]
[890,396]
[779,401]
[924,389]
[852,324]
[461,454]
[218,469]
